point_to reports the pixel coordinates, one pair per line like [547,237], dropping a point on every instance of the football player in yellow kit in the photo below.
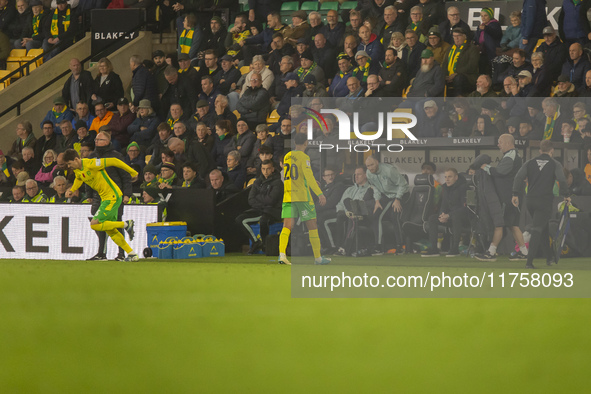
[297,199]
[93,173]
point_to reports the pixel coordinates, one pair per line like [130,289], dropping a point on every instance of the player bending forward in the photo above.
[92,172]
[297,200]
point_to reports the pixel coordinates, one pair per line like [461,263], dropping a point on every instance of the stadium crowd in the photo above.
[217,112]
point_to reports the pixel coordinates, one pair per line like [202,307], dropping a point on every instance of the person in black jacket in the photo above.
[38,23]
[64,31]
[178,91]
[265,198]
[192,152]
[254,105]
[80,87]
[143,85]
[333,189]
[7,15]
[453,213]
[222,185]
[541,172]
[121,178]
[108,85]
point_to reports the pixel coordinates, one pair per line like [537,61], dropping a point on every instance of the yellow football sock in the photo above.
[107,226]
[119,239]
[315,242]
[284,239]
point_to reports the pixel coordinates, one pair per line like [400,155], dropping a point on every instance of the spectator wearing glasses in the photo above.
[453,21]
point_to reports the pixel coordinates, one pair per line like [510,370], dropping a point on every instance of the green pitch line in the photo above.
[230,325]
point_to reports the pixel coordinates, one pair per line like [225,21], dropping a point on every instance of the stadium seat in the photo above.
[290,6]
[420,207]
[4,84]
[237,114]
[309,6]
[244,70]
[330,5]
[273,117]
[348,5]
[32,54]
[13,62]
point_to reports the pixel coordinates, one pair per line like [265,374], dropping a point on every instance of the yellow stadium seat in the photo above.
[237,114]
[4,84]
[34,53]
[274,117]
[13,62]
[244,70]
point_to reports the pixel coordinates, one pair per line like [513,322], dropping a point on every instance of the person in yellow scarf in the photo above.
[190,39]
[33,34]
[460,64]
[63,28]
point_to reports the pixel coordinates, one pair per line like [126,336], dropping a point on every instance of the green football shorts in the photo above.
[304,210]
[108,211]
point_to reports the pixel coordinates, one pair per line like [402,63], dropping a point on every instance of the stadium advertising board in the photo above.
[62,232]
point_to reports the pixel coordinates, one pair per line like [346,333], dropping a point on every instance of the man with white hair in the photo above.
[430,80]
[453,21]
[33,193]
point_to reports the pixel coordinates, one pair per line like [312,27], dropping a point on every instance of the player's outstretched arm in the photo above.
[114,162]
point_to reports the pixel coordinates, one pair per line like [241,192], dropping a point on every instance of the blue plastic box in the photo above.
[158,232]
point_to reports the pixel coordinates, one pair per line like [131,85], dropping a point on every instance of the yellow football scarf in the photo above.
[58,114]
[171,122]
[186,40]
[549,129]
[361,73]
[454,54]
[36,23]
[65,22]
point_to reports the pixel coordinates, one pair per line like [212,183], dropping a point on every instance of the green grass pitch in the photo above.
[229,325]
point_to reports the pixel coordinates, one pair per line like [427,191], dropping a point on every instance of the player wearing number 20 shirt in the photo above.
[299,179]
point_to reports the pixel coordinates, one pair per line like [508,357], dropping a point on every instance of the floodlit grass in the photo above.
[230,325]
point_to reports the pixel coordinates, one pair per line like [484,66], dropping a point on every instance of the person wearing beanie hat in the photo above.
[236,36]
[430,80]
[57,113]
[564,88]
[436,44]
[150,176]
[151,195]
[363,69]
[338,86]
[309,66]
[460,65]
[168,177]
[488,36]
[134,157]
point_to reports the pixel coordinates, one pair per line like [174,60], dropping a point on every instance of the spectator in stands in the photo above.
[180,131]
[190,38]
[570,23]
[398,43]
[49,140]
[254,105]
[316,24]
[258,9]
[586,90]
[208,92]
[83,135]
[310,67]
[554,119]
[20,22]
[533,20]
[278,52]
[430,119]
[222,110]
[365,67]
[278,88]
[355,22]
[541,80]
[519,64]
[236,35]
[483,87]
[390,188]
[34,194]
[338,86]
[236,171]
[564,88]
[143,84]
[464,118]
[453,21]
[460,64]
[262,42]
[33,32]
[103,116]
[282,141]
[294,89]
[202,114]
[194,152]
[159,60]
[417,24]
[18,193]
[214,38]
[190,75]
[222,186]
[312,88]
[7,15]
[7,177]
[334,30]
[58,113]
[579,113]
[143,128]
[389,24]
[299,27]
[243,141]
[222,145]
[164,135]
[63,29]
[168,177]
[488,36]
[120,122]
[553,48]
[226,79]
[412,53]
[210,68]
[577,66]
[263,139]
[324,55]
[60,185]
[453,214]
[512,35]
[83,113]
[204,136]
[179,91]
[191,178]
[370,44]
[526,130]
[484,127]
[437,45]
[526,88]
[109,87]
[45,174]
[134,157]
[25,138]
[569,134]
[350,49]
[150,178]
[430,80]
